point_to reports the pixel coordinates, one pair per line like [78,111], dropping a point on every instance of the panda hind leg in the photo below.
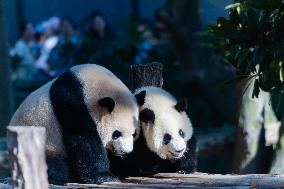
[58,170]
[90,160]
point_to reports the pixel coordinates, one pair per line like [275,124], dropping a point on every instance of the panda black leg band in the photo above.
[58,170]
[89,159]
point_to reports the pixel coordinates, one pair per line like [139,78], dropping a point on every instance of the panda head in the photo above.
[164,122]
[111,106]
[117,124]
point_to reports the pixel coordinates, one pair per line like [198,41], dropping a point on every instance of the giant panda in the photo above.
[166,142]
[85,111]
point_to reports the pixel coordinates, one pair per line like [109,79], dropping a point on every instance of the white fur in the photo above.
[167,120]
[98,82]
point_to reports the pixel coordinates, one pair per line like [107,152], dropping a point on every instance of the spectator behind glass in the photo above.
[62,55]
[50,31]
[97,26]
[24,68]
[97,41]
[146,42]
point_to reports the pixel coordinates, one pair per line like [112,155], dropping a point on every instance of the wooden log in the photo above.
[197,180]
[146,75]
[5,186]
[26,146]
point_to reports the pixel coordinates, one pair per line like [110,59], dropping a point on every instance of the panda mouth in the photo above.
[176,155]
[118,153]
[115,152]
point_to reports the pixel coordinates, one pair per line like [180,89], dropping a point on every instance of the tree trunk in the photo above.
[255,117]
[6,98]
[150,74]
[278,162]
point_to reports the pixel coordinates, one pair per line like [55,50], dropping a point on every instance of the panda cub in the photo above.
[166,142]
[85,111]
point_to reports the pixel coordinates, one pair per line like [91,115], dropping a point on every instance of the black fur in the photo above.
[87,158]
[143,162]
[181,105]
[58,169]
[108,103]
[147,115]
[141,98]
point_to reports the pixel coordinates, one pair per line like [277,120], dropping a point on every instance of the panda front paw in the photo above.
[100,178]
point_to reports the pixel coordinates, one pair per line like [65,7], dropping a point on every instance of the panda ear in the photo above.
[181,105]
[140,97]
[147,115]
[108,103]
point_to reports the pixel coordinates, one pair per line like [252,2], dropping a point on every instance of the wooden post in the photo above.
[26,147]
[146,75]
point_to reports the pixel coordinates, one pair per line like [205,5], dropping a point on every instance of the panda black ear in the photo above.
[181,105]
[147,115]
[108,103]
[140,97]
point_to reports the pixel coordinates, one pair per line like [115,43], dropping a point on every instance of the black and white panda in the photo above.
[85,111]
[166,142]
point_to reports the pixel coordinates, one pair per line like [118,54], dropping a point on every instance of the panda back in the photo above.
[36,110]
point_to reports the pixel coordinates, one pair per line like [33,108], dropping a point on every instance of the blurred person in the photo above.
[23,52]
[67,30]
[145,45]
[50,29]
[97,42]
[97,26]
[62,55]
[162,33]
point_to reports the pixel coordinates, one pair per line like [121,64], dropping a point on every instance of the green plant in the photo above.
[252,40]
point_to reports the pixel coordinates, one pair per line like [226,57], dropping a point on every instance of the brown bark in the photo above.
[198,180]
[146,75]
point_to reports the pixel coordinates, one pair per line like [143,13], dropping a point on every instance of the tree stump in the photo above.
[146,75]
[26,147]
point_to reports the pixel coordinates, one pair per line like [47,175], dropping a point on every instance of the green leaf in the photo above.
[252,21]
[232,6]
[225,24]
[259,55]
[234,81]
[242,57]
[222,47]
[276,47]
[258,4]
[281,71]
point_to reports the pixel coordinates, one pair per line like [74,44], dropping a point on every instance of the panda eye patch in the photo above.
[181,133]
[167,139]
[116,134]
